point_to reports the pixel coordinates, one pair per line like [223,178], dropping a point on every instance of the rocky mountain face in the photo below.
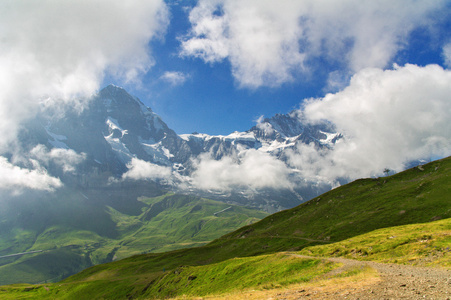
[117,127]
[272,135]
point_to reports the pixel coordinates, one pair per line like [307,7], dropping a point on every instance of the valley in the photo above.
[165,223]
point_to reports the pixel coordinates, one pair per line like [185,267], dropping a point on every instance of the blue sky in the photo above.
[211,100]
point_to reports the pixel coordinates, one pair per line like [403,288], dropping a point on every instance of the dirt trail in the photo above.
[395,282]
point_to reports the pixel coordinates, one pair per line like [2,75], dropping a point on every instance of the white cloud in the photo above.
[54,52]
[268,42]
[67,159]
[28,171]
[60,50]
[139,169]
[174,78]
[252,170]
[447,55]
[388,118]
[260,39]
[14,178]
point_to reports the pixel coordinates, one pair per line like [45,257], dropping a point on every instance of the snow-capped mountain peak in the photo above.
[116,129]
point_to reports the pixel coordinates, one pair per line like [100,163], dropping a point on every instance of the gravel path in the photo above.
[395,282]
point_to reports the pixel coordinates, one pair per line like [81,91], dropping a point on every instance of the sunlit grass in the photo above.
[417,244]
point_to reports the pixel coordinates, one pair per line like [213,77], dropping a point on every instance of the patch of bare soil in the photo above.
[394,282]
[407,282]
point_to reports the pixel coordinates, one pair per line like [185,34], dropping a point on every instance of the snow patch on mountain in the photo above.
[157,151]
[113,125]
[114,139]
[57,139]
[123,153]
[275,146]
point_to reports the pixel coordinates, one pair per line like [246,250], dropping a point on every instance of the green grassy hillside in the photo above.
[165,223]
[424,244]
[421,194]
[263,272]
[356,210]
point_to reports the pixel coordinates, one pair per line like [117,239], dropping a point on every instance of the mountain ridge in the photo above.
[116,128]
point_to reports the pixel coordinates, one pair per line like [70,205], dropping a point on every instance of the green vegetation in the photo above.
[166,222]
[402,218]
[426,244]
[43,267]
[266,272]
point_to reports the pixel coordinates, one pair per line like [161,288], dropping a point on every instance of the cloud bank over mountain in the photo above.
[54,53]
[139,169]
[388,118]
[59,50]
[66,159]
[251,171]
[14,178]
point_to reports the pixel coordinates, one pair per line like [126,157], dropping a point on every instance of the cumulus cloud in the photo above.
[67,159]
[260,40]
[269,42]
[14,178]
[56,51]
[53,53]
[174,78]
[251,170]
[388,118]
[139,169]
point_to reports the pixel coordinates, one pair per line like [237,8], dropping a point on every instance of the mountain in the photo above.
[273,135]
[377,218]
[91,148]
[116,129]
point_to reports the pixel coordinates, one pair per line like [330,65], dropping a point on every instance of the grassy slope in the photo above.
[424,244]
[177,221]
[415,196]
[266,271]
[167,222]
